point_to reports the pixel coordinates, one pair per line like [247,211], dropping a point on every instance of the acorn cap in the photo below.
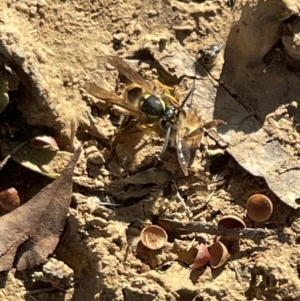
[202,257]
[231,222]
[219,254]
[154,237]
[259,207]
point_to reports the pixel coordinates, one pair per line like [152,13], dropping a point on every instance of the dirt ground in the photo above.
[50,49]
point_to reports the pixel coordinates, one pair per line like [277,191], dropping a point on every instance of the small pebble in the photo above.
[94,156]
[9,199]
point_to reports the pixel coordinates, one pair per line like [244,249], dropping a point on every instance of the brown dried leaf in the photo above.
[34,228]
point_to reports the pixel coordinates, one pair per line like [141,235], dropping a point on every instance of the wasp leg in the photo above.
[172,100]
[159,85]
[146,127]
[213,123]
[209,125]
[194,133]
[167,90]
[122,119]
[130,87]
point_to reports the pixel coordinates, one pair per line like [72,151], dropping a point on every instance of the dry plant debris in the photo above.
[243,58]
[34,228]
[154,237]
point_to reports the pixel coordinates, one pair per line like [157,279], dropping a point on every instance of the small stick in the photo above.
[32,298]
[38,291]
[238,276]
[180,228]
[14,151]
[41,290]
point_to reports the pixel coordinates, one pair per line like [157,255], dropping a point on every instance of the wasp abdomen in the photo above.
[153,106]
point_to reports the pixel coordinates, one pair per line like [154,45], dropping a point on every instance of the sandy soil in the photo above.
[50,49]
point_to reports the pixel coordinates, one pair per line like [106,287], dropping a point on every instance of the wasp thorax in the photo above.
[153,106]
[169,114]
[168,118]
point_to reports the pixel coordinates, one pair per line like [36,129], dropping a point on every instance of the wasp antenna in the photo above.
[188,96]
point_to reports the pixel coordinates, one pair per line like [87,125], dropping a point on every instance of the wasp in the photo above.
[181,124]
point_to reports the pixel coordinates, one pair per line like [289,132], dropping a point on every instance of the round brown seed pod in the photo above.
[259,207]
[154,237]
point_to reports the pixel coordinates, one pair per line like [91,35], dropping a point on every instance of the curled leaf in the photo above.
[34,228]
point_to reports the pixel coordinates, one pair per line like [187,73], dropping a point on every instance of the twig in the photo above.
[32,298]
[191,244]
[211,195]
[41,290]
[38,291]
[180,228]
[238,276]
[14,151]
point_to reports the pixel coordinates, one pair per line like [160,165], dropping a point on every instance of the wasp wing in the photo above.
[107,96]
[187,142]
[127,71]
[194,138]
[189,130]
[183,154]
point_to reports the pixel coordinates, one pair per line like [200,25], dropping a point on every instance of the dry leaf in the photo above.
[34,228]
